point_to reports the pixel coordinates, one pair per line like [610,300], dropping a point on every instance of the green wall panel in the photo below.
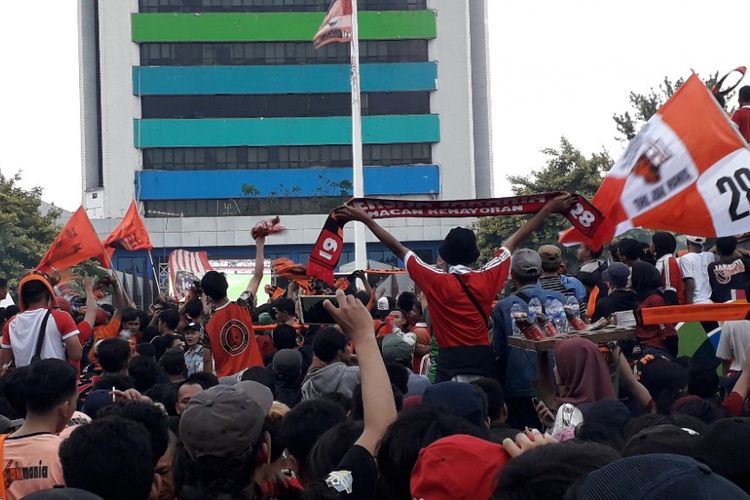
[275,26]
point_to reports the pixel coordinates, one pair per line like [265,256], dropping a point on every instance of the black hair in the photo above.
[109,308]
[399,376]
[701,409]
[685,421]
[344,401]
[664,243]
[644,421]
[129,314]
[327,343]
[144,320]
[170,317]
[118,464]
[165,394]
[33,292]
[493,391]
[113,354]
[193,308]
[703,381]
[214,284]
[261,375]
[119,381]
[363,297]
[630,249]
[151,417]
[173,362]
[283,304]
[595,253]
[47,384]
[665,438]
[331,448]
[726,245]
[162,343]
[203,379]
[284,337]
[601,434]
[413,430]
[358,406]
[665,382]
[146,350]
[145,372]
[406,301]
[744,94]
[150,333]
[549,471]
[12,386]
[11,311]
[304,424]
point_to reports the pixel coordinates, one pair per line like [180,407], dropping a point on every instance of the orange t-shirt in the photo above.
[232,340]
[31,463]
[423,337]
[107,331]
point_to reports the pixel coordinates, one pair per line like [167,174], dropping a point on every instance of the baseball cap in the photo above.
[663,438]
[463,400]
[617,273]
[288,362]
[383,304]
[396,350]
[697,240]
[526,263]
[225,420]
[658,476]
[265,319]
[193,326]
[550,254]
[457,467]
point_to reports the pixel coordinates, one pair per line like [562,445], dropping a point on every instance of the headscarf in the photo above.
[645,280]
[584,376]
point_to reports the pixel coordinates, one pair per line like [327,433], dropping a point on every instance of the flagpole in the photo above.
[155,271]
[360,246]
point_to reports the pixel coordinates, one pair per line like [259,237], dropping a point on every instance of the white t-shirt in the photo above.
[22,331]
[695,265]
[734,343]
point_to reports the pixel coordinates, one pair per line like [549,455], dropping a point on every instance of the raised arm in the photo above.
[347,213]
[119,298]
[377,396]
[558,204]
[90,316]
[254,284]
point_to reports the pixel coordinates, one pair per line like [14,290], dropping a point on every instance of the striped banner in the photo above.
[184,269]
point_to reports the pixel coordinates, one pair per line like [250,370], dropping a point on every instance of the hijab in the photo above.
[584,376]
[645,280]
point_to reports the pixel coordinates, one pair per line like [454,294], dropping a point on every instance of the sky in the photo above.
[558,68]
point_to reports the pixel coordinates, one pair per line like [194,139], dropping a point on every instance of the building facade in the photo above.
[215,114]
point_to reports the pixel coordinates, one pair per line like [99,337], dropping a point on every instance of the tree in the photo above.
[25,234]
[566,169]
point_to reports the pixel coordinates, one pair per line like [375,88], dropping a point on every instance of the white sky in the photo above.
[559,67]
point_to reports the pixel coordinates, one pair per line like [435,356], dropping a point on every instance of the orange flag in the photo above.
[130,234]
[76,242]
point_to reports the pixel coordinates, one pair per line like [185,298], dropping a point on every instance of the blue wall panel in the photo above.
[299,79]
[385,129]
[301,182]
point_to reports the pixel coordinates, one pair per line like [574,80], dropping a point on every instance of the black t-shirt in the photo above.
[359,468]
[616,301]
[725,275]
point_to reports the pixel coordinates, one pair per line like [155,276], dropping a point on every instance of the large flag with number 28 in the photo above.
[688,171]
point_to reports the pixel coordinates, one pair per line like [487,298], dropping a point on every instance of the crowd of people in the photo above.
[417,396]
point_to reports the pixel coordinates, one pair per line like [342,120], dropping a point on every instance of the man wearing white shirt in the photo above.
[694,268]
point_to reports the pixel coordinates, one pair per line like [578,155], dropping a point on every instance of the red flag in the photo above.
[76,242]
[686,171]
[337,25]
[130,234]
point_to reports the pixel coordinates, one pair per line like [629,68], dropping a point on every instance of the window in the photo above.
[264,53]
[280,157]
[241,206]
[269,5]
[283,105]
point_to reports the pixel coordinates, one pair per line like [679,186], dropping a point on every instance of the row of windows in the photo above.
[264,53]
[270,157]
[242,206]
[270,5]
[283,105]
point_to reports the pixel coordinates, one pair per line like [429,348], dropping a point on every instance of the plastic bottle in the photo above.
[573,312]
[517,313]
[556,314]
[525,322]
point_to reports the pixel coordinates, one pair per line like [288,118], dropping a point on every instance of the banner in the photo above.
[687,171]
[336,26]
[131,233]
[185,268]
[76,242]
[327,251]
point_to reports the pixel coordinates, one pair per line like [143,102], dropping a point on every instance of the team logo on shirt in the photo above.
[725,272]
[13,471]
[234,337]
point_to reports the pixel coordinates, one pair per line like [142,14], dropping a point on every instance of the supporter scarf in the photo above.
[327,251]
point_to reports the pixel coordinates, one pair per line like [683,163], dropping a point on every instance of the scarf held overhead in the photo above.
[327,251]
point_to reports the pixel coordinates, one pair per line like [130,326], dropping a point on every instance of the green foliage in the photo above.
[250,190]
[566,169]
[25,234]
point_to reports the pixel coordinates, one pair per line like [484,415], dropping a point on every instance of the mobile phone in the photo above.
[313,312]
